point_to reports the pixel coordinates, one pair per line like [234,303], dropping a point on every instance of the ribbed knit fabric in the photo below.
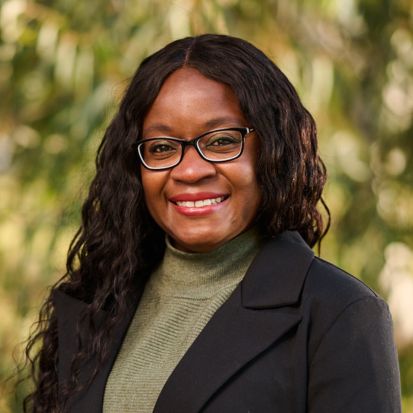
[178,301]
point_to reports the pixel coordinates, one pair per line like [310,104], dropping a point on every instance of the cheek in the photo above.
[251,191]
[152,184]
[247,174]
[252,198]
[146,184]
[246,192]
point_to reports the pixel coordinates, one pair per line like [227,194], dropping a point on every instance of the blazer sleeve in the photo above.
[355,368]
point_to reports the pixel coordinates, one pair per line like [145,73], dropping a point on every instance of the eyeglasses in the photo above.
[220,145]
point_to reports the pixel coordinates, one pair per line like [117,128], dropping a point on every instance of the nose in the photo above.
[193,167]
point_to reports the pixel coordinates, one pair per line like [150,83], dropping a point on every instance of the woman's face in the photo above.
[187,105]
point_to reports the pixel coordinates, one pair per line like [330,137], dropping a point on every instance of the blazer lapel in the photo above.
[248,323]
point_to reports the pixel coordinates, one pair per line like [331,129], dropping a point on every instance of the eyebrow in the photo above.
[209,125]
[158,127]
[222,122]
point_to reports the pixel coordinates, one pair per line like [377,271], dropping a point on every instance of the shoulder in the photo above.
[330,292]
[286,273]
[341,308]
[327,283]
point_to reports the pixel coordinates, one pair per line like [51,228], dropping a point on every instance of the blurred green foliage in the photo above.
[64,64]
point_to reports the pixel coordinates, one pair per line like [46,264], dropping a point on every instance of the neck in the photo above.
[194,274]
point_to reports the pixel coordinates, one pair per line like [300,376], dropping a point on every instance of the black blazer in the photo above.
[297,335]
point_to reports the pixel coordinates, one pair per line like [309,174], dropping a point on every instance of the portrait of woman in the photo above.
[191,285]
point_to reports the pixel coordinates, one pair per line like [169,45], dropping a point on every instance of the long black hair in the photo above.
[118,243]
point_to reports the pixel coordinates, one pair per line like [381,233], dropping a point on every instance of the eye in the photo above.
[161,147]
[222,141]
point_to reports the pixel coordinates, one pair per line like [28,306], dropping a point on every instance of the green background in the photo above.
[65,63]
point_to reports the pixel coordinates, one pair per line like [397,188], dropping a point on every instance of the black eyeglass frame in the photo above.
[194,142]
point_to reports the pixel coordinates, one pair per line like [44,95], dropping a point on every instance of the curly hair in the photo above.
[118,243]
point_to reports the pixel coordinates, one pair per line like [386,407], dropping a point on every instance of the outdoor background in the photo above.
[65,63]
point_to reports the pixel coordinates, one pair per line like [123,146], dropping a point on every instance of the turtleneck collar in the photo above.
[201,275]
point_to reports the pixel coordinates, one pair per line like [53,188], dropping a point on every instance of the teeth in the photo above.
[200,203]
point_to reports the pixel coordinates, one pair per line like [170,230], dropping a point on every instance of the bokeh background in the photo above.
[65,63]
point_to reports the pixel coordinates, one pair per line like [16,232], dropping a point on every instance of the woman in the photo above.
[191,284]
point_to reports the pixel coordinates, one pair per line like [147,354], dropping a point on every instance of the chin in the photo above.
[197,242]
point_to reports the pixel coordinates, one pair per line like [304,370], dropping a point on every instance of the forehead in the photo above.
[189,101]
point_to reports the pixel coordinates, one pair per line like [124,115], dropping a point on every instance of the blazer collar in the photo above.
[274,279]
[276,276]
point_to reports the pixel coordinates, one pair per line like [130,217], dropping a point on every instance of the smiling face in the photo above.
[200,204]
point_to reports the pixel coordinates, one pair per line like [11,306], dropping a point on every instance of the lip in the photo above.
[198,211]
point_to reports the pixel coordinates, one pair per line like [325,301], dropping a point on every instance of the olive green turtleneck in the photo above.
[179,299]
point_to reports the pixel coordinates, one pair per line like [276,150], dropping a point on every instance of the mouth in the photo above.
[198,204]
[201,202]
